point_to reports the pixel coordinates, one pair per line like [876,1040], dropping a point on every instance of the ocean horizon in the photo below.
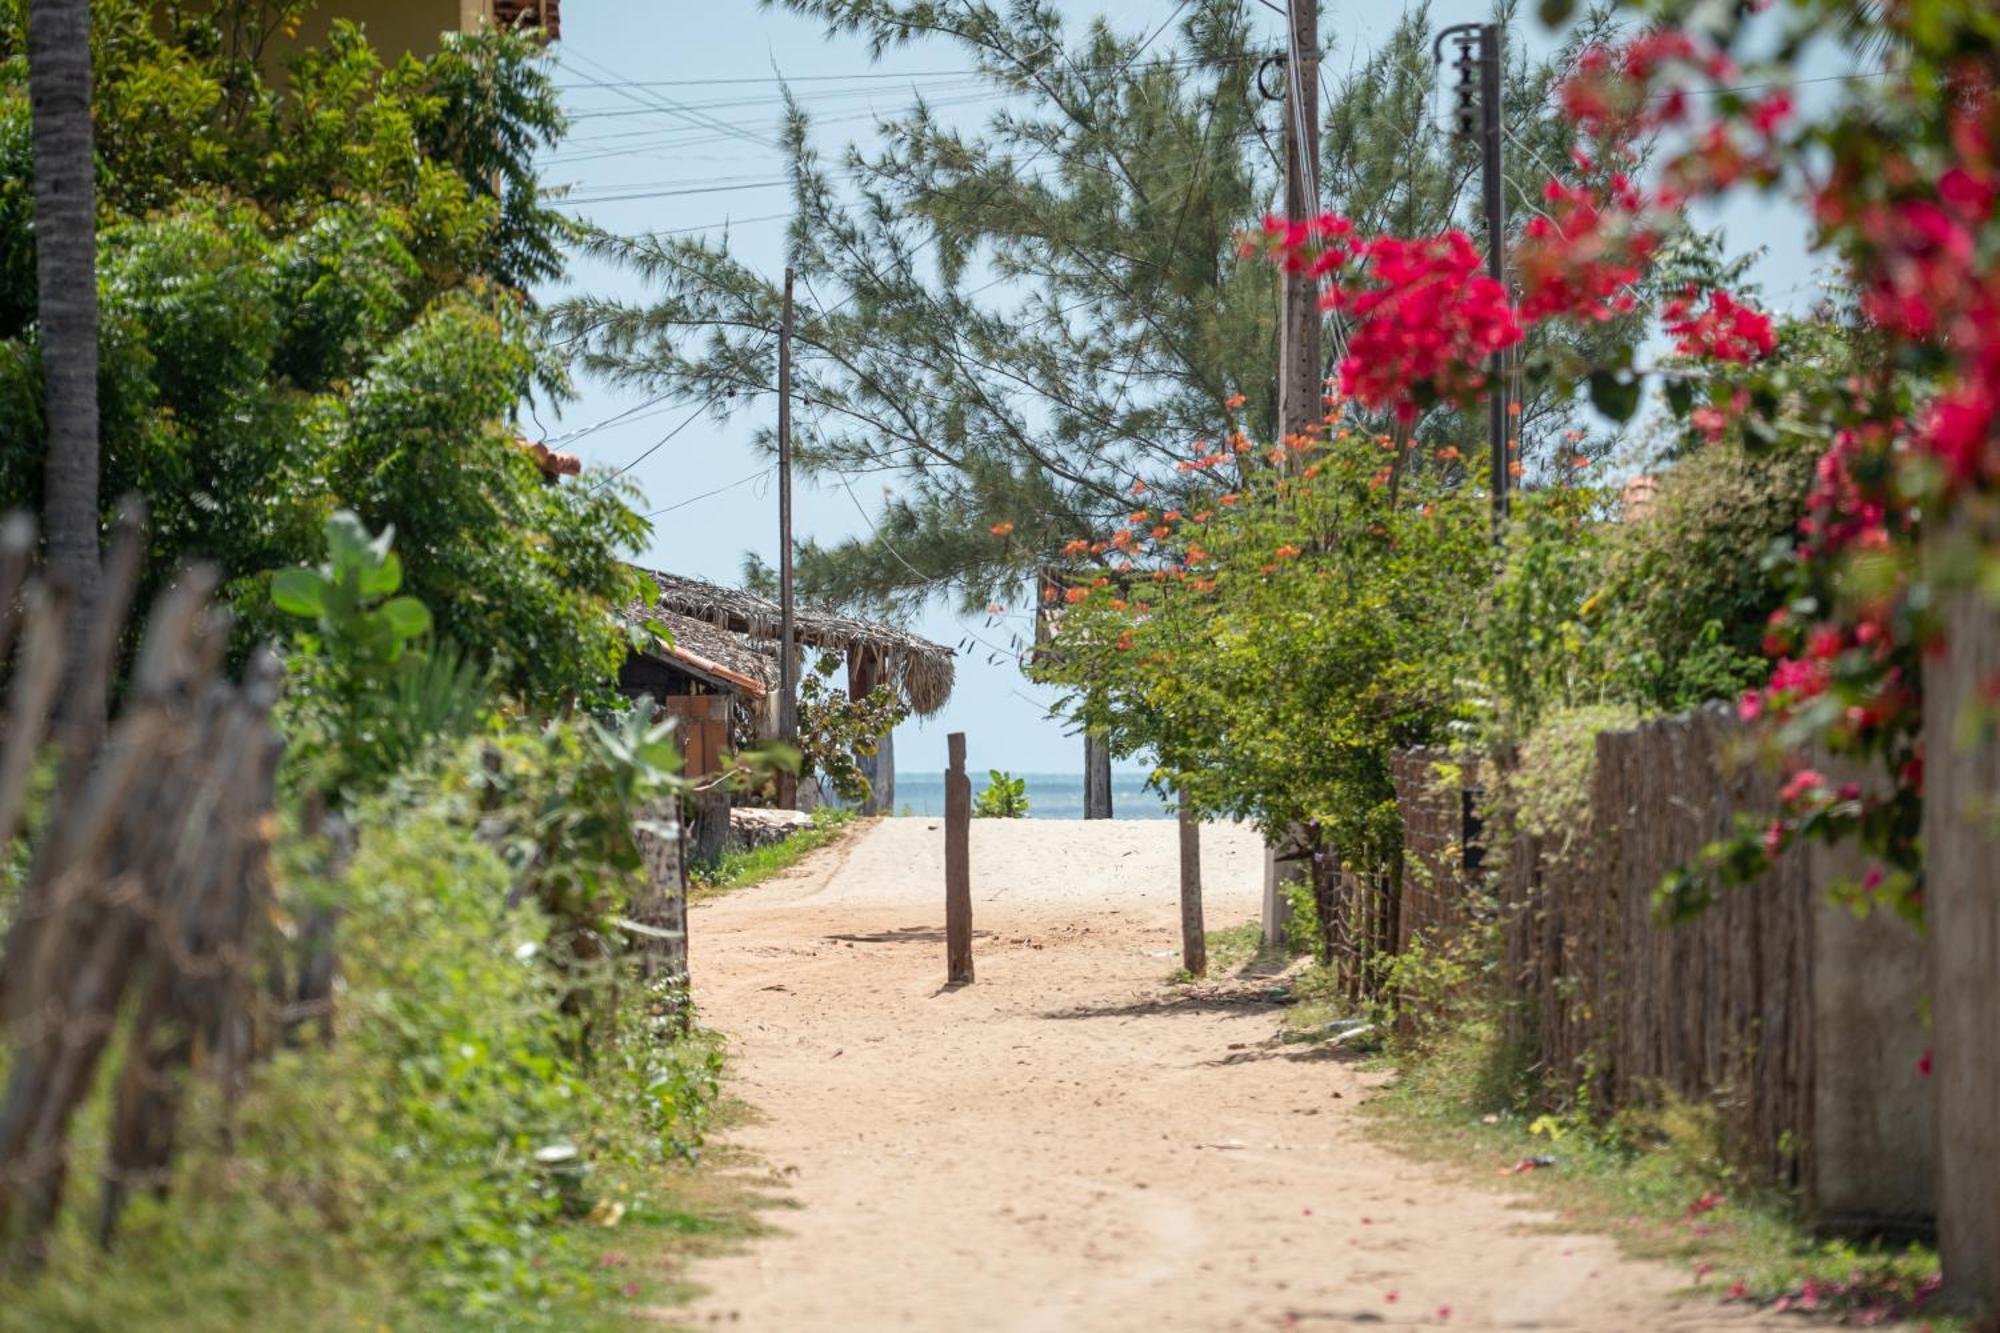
[1050,795]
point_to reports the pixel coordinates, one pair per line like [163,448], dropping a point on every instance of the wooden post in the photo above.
[957,865]
[1194,939]
[1096,777]
[1961,773]
[788,667]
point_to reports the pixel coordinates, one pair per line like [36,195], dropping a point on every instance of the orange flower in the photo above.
[1002,529]
[1513,409]
[1447,454]
[1075,595]
[1204,516]
[1162,532]
[995,609]
[1049,593]
[1100,582]
[1076,547]
[1581,460]
[1141,515]
[1117,604]
[1122,538]
[1313,471]
[1171,515]
[1125,641]
[1138,488]
[1288,552]
[1159,576]
[1514,469]
[1235,401]
[1270,569]
[1196,555]
[1099,548]
[1229,499]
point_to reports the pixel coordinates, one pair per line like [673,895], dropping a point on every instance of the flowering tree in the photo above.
[1272,643]
[1905,199]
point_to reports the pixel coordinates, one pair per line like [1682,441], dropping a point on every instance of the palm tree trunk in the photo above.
[66,269]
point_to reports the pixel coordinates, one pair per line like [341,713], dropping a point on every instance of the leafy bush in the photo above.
[314,299]
[1688,585]
[1003,797]
[836,732]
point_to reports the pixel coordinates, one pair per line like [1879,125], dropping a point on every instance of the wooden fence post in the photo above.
[1194,939]
[957,865]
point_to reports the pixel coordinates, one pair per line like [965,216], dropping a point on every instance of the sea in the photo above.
[1050,795]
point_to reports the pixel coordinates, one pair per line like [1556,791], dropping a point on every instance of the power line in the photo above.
[654,447]
[878,75]
[708,495]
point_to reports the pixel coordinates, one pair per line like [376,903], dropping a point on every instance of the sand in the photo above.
[1073,1144]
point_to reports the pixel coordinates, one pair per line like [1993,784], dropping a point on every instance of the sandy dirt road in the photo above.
[1070,1145]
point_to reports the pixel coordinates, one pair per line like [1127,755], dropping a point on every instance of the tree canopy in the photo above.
[315,298]
[1023,322]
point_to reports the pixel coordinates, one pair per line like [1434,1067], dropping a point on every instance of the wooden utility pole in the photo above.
[1300,386]
[1194,937]
[1301,376]
[957,865]
[788,668]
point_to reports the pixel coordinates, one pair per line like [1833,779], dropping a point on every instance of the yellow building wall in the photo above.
[396,26]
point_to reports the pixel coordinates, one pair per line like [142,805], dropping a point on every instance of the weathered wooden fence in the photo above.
[1800,1025]
[136,927]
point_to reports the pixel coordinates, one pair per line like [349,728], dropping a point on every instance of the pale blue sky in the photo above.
[625,141]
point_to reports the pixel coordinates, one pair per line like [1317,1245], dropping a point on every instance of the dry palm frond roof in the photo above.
[920,671]
[717,656]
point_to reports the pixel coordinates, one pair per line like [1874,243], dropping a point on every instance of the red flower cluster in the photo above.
[1581,259]
[1726,330]
[1423,311]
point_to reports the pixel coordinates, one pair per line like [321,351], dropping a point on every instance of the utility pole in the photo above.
[1480,50]
[1300,377]
[788,671]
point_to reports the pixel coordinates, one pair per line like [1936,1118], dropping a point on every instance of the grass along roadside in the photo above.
[741,868]
[1655,1182]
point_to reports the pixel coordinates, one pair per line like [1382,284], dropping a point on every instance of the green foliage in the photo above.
[1003,797]
[390,1177]
[1539,647]
[1547,790]
[368,691]
[1272,648]
[313,299]
[1689,585]
[835,732]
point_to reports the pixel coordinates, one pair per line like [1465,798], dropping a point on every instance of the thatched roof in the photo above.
[723,660]
[919,670]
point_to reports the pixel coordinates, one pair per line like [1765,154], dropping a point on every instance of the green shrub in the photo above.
[1004,797]
[1688,585]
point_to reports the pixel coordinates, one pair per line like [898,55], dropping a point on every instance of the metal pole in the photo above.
[1496,258]
[788,672]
